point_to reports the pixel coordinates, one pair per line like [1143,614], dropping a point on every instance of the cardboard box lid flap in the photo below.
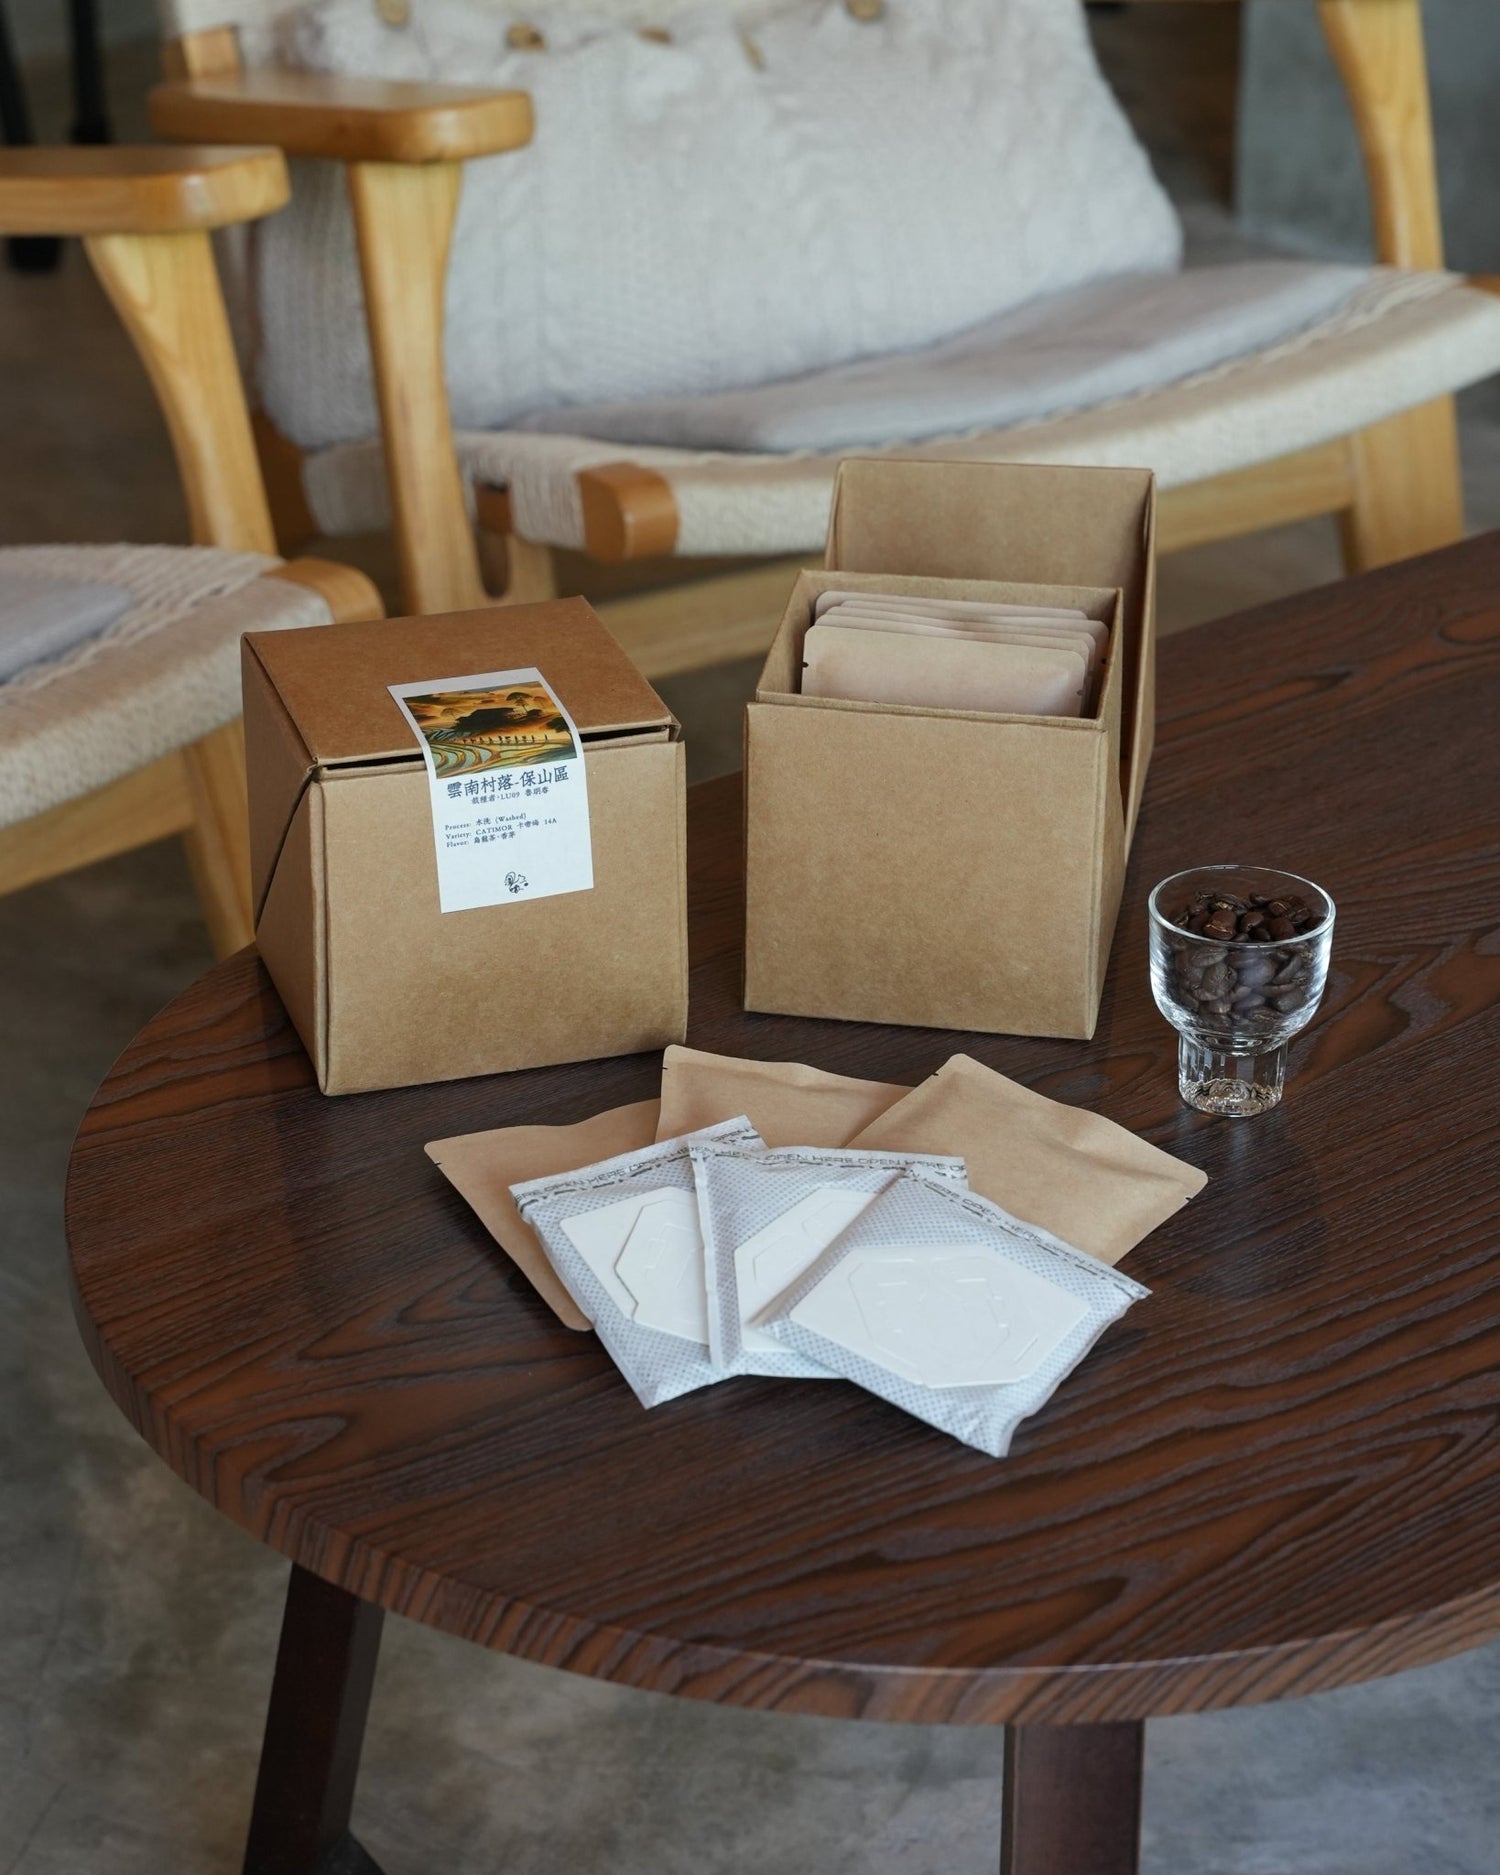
[334,681]
[1031,523]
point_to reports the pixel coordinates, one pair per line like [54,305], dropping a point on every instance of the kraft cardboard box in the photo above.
[386,989]
[951,868]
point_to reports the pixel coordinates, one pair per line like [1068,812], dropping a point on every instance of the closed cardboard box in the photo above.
[952,868]
[384,988]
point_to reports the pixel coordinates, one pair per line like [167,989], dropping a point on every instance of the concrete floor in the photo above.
[137,1628]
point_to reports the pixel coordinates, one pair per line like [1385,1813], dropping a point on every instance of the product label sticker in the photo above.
[510,805]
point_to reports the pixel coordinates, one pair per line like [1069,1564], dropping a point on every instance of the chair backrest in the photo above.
[253,23]
[1377,46]
[207,35]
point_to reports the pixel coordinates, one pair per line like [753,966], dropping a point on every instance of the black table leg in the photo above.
[15,112]
[90,107]
[325,1667]
[1072,1800]
[27,253]
[40,253]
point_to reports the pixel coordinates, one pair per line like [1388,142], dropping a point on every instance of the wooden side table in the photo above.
[1278,1475]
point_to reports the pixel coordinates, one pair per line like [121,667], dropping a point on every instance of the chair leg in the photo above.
[403,218]
[218,842]
[152,804]
[1408,495]
[531,574]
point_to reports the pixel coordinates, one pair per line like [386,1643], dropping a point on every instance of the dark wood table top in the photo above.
[1281,1473]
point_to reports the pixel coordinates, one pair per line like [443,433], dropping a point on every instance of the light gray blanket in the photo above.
[1066,352]
[40,619]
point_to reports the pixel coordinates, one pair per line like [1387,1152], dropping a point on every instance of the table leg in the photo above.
[90,108]
[27,253]
[304,1792]
[1072,1800]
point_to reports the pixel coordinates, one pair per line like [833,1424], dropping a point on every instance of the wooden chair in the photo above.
[1250,448]
[128,734]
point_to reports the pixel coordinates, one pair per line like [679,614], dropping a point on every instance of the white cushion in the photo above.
[1114,338]
[162,673]
[689,221]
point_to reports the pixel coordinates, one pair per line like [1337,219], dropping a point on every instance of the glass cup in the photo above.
[1236,1001]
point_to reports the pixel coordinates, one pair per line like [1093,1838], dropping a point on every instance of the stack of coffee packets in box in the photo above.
[818,1231]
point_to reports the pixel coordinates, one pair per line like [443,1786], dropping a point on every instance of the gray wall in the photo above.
[1299,178]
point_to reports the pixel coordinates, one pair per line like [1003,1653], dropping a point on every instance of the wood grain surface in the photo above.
[1280,1473]
[372,120]
[137,190]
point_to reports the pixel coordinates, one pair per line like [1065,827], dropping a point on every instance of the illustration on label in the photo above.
[508,720]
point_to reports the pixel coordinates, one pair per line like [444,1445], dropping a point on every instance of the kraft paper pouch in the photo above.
[788,1104]
[840,661]
[975,623]
[483,1167]
[946,608]
[1050,634]
[1070,1172]
[1048,637]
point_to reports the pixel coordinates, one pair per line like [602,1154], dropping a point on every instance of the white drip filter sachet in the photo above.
[623,1235]
[766,1217]
[950,1308]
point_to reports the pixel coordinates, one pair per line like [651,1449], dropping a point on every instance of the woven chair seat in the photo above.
[119,655]
[1394,340]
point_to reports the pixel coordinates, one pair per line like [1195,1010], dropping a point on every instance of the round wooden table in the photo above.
[1279,1474]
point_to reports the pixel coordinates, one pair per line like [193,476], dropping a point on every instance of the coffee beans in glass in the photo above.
[1239,958]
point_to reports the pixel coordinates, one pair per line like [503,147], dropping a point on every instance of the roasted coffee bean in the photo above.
[1233,967]
[1228,918]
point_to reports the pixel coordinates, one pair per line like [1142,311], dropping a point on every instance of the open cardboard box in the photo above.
[953,868]
[384,989]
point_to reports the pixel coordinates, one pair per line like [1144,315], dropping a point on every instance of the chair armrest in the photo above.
[354,119]
[86,191]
